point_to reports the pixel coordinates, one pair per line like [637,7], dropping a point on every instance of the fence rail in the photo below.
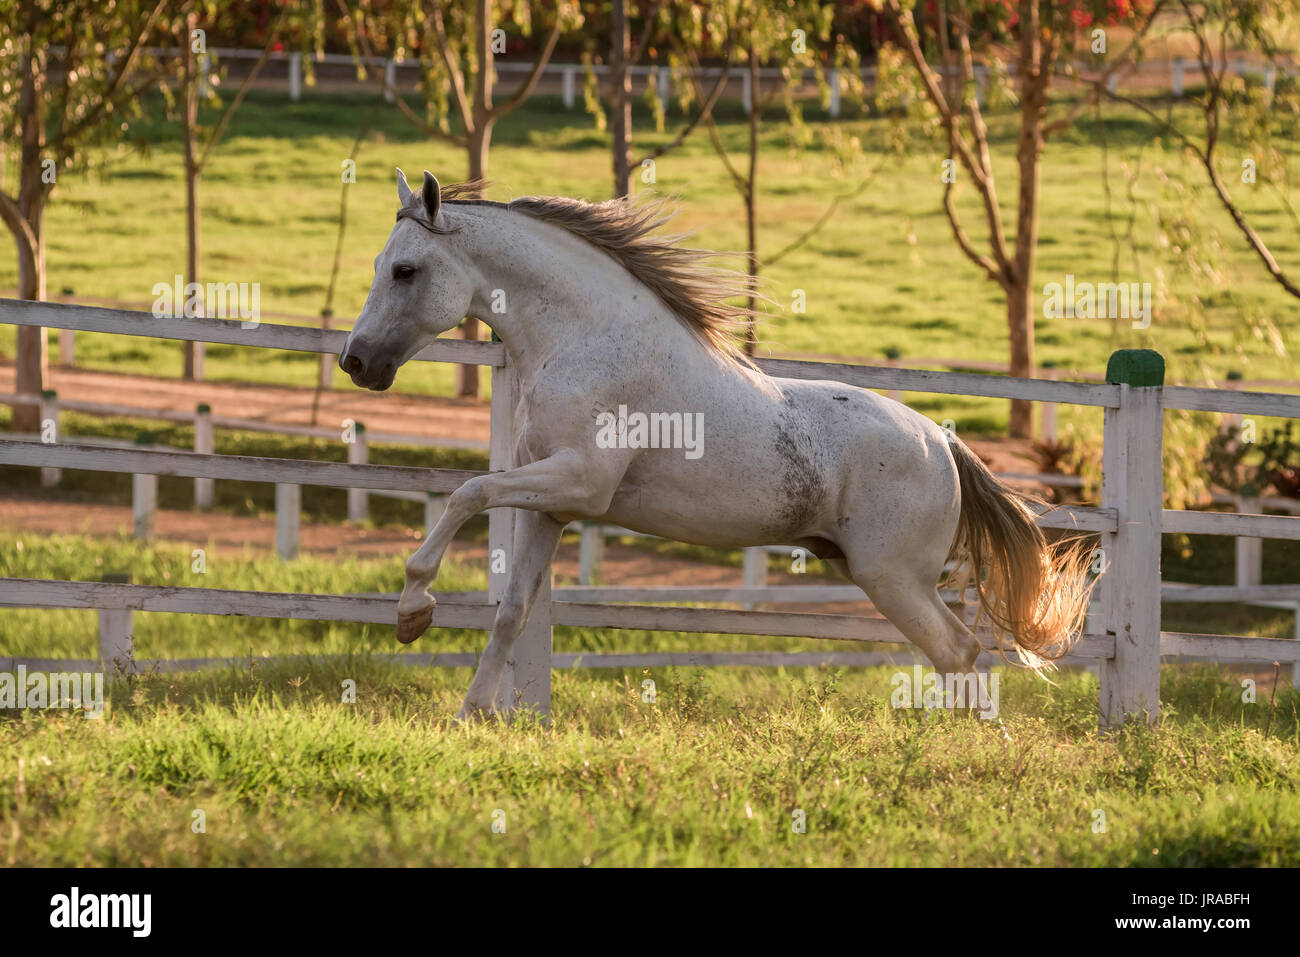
[1127,649]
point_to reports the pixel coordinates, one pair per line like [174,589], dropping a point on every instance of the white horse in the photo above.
[601,317]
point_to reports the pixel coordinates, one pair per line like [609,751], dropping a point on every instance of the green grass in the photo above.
[883,273]
[710,773]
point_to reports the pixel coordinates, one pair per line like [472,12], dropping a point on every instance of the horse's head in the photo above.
[420,289]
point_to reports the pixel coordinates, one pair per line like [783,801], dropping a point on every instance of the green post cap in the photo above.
[1234,376]
[144,438]
[1249,490]
[49,394]
[1047,364]
[1136,367]
[326,313]
[117,578]
[67,291]
[204,409]
[893,352]
[358,427]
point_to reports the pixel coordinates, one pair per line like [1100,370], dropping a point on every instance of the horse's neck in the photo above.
[541,288]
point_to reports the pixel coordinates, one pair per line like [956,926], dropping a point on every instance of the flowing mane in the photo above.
[682,277]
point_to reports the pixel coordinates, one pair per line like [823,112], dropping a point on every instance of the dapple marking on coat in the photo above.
[601,311]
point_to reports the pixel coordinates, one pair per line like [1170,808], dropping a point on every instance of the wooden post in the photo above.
[746,92]
[894,360]
[144,497]
[50,434]
[1249,549]
[568,87]
[1047,429]
[328,360]
[203,444]
[833,80]
[295,76]
[755,571]
[1133,485]
[526,682]
[591,552]
[390,81]
[664,78]
[1178,77]
[1232,419]
[434,505]
[288,515]
[358,454]
[117,633]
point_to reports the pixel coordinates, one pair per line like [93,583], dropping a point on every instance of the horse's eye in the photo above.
[403,272]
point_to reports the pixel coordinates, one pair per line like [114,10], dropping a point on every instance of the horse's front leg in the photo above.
[537,536]
[563,483]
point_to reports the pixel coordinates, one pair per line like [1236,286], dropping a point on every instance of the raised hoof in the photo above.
[413,625]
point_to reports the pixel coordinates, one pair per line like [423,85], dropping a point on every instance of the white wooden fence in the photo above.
[1126,644]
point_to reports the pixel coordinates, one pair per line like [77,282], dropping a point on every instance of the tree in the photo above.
[190,32]
[1041,36]
[786,35]
[1222,30]
[70,77]
[456,42]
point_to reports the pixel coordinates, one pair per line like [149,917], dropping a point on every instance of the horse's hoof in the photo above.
[413,624]
[469,712]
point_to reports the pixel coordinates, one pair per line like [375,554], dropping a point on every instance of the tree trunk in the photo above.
[31,361]
[193,351]
[480,139]
[751,202]
[620,83]
[1034,76]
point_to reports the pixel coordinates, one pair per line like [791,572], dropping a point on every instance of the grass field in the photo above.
[883,273]
[710,772]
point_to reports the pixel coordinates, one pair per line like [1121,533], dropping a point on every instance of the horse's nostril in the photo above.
[351,365]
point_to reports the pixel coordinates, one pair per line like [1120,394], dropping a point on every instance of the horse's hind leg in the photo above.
[904,590]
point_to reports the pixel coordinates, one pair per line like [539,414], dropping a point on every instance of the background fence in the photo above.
[1123,641]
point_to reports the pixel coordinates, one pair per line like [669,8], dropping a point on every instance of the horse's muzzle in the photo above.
[376,376]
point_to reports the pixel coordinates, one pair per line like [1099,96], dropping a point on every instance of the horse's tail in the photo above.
[1031,591]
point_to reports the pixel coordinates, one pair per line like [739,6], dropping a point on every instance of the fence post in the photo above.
[144,498]
[746,92]
[203,444]
[295,76]
[567,76]
[1133,485]
[894,360]
[755,571]
[664,77]
[1047,426]
[1178,77]
[591,552]
[1249,549]
[833,79]
[358,454]
[117,632]
[390,81]
[526,682]
[434,505]
[288,515]
[67,337]
[49,409]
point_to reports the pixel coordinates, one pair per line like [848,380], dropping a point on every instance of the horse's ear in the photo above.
[403,188]
[432,194]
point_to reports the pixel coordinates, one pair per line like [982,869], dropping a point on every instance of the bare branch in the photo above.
[534,75]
